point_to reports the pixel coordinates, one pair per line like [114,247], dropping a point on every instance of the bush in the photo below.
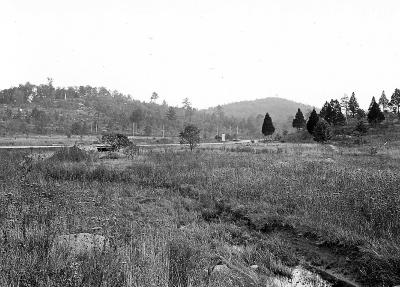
[116,141]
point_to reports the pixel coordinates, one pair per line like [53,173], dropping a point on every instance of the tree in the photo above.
[337,118]
[353,105]
[383,101]
[136,117]
[395,100]
[375,114]
[153,97]
[312,121]
[267,127]
[116,141]
[344,103]
[360,114]
[299,122]
[188,108]
[327,112]
[190,135]
[322,131]
[186,103]
[171,114]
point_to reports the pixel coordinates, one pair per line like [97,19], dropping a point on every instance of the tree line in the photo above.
[80,110]
[335,114]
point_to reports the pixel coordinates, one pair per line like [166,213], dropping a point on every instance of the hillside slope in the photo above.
[282,111]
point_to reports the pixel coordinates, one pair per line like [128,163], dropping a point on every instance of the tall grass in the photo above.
[344,198]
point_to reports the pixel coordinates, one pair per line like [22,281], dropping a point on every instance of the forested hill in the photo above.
[281,110]
[45,109]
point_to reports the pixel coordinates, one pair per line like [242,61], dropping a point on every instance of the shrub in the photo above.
[117,141]
[360,129]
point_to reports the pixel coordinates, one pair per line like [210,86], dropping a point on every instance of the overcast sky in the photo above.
[212,51]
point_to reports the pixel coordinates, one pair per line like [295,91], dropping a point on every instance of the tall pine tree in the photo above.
[395,100]
[353,104]
[267,127]
[312,121]
[299,122]
[383,101]
[375,114]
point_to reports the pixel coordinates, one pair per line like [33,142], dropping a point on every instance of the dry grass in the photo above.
[171,208]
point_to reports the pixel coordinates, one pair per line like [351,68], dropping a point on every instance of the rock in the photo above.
[254,267]
[80,243]
[221,269]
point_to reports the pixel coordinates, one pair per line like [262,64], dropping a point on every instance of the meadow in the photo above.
[276,206]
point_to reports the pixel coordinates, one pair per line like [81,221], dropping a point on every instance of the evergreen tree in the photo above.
[267,127]
[383,101]
[395,100]
[327,112]
[353,105]
[171,114]
[187,105]
[337,115]
[299,121]
[322,131]
[372,102]
[312,121]
[375,114]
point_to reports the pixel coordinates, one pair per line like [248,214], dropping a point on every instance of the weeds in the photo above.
[171,212]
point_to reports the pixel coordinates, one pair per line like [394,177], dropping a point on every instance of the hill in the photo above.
[282,111]
[45,109]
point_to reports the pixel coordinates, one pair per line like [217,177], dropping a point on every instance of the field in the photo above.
[171,216]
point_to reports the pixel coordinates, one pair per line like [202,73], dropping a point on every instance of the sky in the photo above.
[211,51]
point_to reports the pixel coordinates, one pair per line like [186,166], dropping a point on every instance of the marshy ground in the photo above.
[332,210]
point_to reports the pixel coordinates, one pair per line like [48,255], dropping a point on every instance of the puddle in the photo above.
[301,278]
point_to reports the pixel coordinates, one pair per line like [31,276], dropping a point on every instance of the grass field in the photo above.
[276,206]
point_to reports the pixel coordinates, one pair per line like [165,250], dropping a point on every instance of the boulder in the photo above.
[80,243]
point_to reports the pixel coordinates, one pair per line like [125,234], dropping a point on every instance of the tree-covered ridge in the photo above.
[46,109]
